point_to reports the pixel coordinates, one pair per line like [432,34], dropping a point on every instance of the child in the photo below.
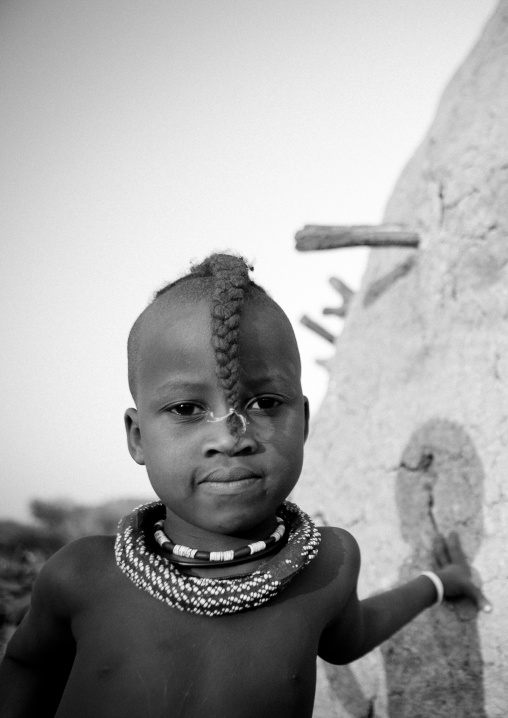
[217,600]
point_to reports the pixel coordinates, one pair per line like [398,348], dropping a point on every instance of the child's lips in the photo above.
[231,474]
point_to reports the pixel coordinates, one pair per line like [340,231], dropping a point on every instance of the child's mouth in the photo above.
[227,480]
[229,475]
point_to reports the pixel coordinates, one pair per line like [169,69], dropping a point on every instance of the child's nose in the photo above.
[219,440]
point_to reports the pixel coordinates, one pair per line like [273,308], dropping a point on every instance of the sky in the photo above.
[138,137]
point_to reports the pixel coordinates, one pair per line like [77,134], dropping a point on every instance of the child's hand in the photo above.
[455,573]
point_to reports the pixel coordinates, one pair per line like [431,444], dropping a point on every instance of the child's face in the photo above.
[201,472]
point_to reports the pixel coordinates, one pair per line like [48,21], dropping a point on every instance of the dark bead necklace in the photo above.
[186,556]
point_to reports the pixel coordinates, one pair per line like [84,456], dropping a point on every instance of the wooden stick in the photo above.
[314,236]
[342,288]
[311,324]
[347,295]
[336,311]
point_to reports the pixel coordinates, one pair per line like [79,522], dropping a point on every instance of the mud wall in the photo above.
[412,437]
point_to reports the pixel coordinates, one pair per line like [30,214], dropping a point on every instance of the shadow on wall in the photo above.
[434,666]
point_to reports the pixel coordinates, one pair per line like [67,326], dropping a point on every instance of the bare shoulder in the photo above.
[331,577]
[339,548]
[343,628]
[68,582]
[87,553]
[73,571]
[339,560]
[332,536]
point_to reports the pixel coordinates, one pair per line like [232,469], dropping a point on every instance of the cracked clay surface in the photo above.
[412,436]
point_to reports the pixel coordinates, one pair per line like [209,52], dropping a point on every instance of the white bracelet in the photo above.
[437,583]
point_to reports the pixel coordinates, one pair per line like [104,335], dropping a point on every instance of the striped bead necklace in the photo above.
[176,552]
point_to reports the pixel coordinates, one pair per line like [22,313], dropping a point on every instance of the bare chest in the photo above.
[136,656]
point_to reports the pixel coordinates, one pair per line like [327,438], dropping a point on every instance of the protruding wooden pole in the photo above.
[311,324]
[342,288]
[347,295]
[313,237]
[336,311]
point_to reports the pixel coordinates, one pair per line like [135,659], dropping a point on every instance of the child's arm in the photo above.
[40,654]
[363,625]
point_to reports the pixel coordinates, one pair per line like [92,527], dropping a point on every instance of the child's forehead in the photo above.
[176,326]
[266,329]
[265,337]
[168,315]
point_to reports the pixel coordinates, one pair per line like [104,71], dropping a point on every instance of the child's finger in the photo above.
[477,597]
[457,555]
[441,551]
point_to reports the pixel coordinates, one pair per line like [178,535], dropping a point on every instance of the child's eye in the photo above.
[186,409]
[264,403]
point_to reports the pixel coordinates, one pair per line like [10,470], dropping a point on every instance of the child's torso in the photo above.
[138,657]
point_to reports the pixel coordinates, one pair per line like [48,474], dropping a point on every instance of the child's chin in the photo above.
[238,524]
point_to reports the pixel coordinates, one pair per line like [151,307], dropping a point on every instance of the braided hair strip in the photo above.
[231,278]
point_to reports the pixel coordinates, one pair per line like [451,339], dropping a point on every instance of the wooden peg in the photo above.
[342,288]
[336,311]
[315,327]
[314,237]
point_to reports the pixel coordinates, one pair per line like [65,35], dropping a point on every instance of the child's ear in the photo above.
[307,415]
[134,436]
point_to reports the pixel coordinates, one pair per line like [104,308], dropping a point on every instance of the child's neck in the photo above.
[186,534]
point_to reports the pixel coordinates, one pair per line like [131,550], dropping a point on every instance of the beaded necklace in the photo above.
[176,553]
[136,556]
